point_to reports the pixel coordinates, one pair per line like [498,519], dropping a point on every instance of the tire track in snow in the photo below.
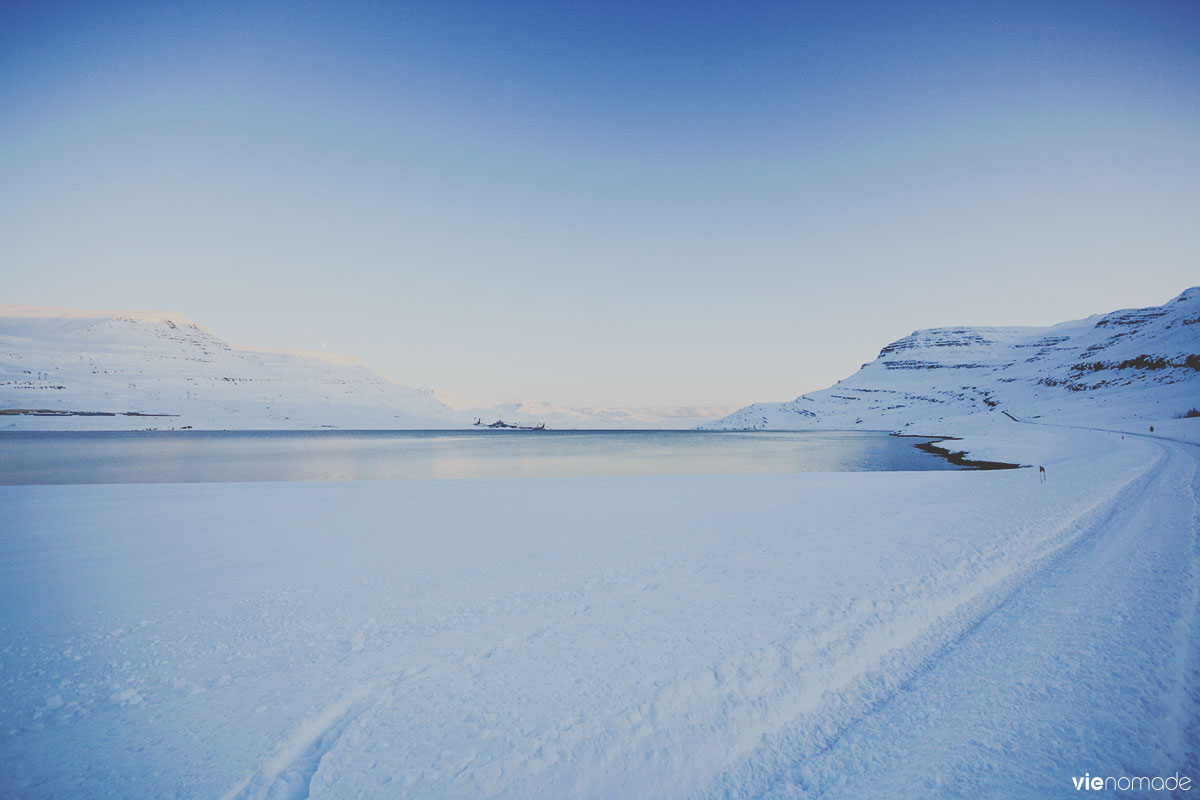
[861,665]
[872,686]
[1184,731]
[935,619]
[965,702]
[287,774]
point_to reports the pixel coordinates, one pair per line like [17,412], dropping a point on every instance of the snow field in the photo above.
[1091,665]
[638,637]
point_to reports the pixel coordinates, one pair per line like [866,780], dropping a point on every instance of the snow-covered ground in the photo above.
[962,634]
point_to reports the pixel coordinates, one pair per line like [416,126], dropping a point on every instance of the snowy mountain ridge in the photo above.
[109,367]
[554,415]
[1125,366]
[72,369]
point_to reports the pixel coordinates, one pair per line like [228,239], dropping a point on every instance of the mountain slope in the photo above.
[1130,365]
[124,369]
[162,363]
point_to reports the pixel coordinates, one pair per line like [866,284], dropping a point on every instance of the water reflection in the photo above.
[200,456]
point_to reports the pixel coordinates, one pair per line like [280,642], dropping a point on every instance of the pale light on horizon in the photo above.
[701,205]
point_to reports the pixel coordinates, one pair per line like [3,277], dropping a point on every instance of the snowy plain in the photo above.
[892,634]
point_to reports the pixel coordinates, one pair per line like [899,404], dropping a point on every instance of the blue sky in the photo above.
[600,204]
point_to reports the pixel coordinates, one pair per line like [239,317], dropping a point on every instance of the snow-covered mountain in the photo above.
[122,370]
[110,368]
[532,412]
[1126,366]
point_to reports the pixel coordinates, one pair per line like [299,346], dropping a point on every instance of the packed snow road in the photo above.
[1088,667]
[845,634]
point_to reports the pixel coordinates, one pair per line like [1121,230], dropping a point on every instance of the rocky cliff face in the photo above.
[1129,365]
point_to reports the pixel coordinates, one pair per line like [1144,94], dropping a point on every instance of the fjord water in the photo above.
[223,456]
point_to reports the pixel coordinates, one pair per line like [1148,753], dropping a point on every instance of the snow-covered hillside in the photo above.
[122,364]
[1122,368]
[116,369]
[121,370]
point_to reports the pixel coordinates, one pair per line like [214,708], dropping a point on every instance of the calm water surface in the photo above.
[212,456]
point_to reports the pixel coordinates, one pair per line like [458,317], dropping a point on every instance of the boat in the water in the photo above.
[509,425]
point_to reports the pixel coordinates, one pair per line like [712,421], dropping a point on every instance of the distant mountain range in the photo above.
[1138,364]
[70,369]
[66,369]
[564,417]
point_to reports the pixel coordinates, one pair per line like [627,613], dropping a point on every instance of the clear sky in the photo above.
[600,204]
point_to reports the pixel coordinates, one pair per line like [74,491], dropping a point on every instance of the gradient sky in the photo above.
[600,204]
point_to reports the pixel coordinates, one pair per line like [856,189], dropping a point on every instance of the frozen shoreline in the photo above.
[748,635]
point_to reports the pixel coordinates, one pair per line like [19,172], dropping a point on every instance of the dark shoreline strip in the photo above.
[50,412]
[959,458]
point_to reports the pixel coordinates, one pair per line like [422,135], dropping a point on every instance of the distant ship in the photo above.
[509,426]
